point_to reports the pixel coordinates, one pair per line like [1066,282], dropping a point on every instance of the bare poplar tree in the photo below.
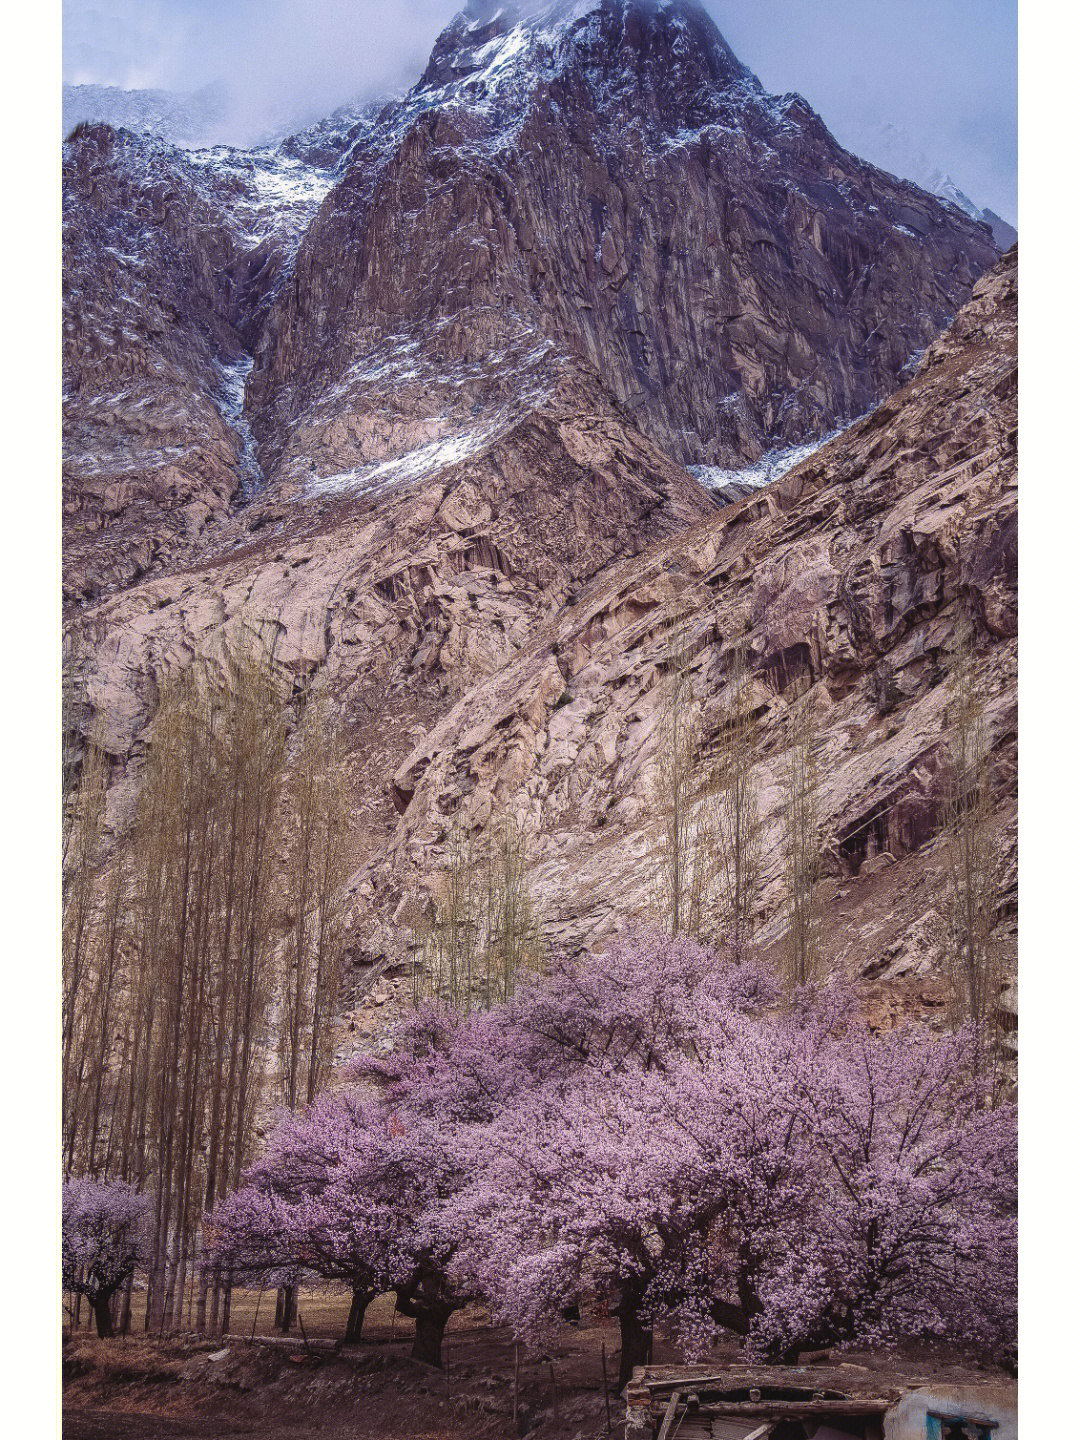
[446,941]
[202,854]
[511,941]
[972,965]
[484,931]
[734,809]
[684,851]
[316,810]
[316,816]
[83,866]
[802,949]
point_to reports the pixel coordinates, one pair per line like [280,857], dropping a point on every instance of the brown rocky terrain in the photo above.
[586,249]
[844,579]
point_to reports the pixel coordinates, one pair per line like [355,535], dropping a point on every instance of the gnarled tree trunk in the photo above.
[636,1339]
[102,1305]
[361,1299]
[430,1329]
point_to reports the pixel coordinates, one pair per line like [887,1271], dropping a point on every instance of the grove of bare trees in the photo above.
[199,986]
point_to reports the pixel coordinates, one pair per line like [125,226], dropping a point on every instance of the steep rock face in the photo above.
[609,176]
[168,258]
[400,590]
[844,579]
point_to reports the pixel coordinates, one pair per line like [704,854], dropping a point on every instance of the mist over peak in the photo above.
[945,75]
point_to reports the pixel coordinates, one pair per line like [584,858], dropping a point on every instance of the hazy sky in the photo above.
[907,83]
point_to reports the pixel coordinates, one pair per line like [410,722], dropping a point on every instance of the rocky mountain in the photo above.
[946,188]
[603,177]
[409,397]
[893,148]
[609,176]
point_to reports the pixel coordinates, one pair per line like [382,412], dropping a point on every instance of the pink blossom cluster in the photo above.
[656,1129]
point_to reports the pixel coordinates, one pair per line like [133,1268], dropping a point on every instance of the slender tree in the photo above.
[484,933]
[734,806]
[802,848]
[972,964]
[316,818]
[684,853]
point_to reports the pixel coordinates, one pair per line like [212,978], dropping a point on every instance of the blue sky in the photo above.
[910,84]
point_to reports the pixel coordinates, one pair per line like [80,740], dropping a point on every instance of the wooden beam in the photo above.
[795,1409]
[669,1416]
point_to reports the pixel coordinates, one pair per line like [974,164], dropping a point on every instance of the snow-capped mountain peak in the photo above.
[492,54]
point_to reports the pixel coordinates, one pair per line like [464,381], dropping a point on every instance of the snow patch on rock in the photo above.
[770,467]
[418,464]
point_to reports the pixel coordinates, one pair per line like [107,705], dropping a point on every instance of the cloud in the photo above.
[278,61]
[943,75]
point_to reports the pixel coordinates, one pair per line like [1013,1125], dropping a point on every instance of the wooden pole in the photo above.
[517,1382]
[669,1415]
[255,1322]
[607,1390]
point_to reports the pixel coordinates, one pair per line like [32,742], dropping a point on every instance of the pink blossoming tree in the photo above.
[775,1172]
[348,1191]
[102,1242]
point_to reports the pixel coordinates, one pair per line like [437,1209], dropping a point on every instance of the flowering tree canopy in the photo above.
[656,1127]
[102,1241]
[776,1172]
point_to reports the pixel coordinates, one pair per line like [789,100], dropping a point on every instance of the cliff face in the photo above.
[844,580]
[609,176]
[170,257]
[491,642]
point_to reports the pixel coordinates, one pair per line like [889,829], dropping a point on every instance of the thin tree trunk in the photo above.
[285,1309]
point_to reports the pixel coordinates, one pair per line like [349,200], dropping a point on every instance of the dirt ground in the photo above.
[135,1388]
[256,1384]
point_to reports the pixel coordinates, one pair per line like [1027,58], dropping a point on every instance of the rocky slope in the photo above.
[489,642]
[168,258]
[845,579]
